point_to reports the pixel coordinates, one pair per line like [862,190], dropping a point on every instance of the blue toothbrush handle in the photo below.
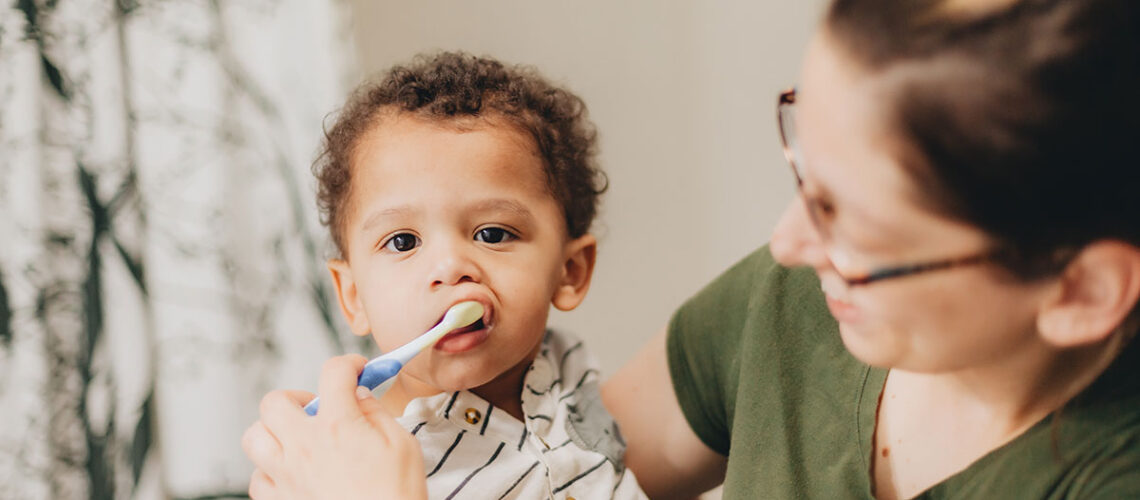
[374,374]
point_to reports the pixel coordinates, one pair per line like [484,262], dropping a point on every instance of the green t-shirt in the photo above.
[762,377]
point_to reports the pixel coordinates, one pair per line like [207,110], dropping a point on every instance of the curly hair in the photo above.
[452,86]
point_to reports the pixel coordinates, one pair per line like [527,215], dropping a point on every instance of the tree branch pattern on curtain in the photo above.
[161,265]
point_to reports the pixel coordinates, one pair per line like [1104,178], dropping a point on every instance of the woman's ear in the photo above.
[1098,290]
[347,296]
[577,270]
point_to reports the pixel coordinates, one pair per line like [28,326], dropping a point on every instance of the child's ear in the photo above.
[577,270]
[346,295]
[1097,291]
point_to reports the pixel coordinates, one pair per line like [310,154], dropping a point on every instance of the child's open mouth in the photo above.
[462,339]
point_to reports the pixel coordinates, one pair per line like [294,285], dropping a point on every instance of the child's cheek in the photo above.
[385,341]
[421,369]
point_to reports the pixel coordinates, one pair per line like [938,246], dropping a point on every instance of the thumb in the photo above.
[376,415]
[363,394]
[371,407]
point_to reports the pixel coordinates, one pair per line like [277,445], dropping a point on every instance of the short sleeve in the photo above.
[703,348]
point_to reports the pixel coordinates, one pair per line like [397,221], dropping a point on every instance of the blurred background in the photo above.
[161,262]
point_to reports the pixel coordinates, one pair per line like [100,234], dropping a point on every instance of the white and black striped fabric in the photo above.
[567,448]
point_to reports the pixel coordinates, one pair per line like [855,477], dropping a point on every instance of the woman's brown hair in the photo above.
[1020,117]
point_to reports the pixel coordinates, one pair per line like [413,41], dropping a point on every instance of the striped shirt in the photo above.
[568,447]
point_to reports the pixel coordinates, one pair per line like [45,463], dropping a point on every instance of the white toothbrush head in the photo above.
[463,314]
[457,316]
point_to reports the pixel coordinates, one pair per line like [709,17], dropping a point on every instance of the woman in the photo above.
[968,189]
[968,207]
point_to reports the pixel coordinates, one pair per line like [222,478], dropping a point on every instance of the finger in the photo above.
[281,414]
[261,486]
[380,419]
[299,398]
[280,402]
[397,438]
[261,447]
[338,387]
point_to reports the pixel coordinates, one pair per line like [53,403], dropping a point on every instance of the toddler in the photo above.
[457,178]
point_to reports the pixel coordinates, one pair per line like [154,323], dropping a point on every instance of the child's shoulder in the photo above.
[567,358]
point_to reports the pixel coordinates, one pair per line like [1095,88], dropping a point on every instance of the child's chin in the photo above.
[459,377]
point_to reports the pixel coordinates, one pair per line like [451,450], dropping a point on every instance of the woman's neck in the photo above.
[1020,390]
[931,426]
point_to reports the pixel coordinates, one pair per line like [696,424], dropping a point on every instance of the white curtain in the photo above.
[161,264]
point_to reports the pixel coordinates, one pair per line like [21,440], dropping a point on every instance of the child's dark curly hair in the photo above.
[450,86]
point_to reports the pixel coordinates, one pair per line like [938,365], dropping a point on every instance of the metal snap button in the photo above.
[472,416]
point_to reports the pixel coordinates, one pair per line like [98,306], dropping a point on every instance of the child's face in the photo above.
[440,216]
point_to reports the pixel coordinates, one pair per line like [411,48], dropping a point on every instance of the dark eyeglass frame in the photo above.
[785,119]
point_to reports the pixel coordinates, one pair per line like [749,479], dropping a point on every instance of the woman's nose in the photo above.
[795,240]
[453,264]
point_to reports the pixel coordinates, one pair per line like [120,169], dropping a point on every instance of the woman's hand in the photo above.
[351,449]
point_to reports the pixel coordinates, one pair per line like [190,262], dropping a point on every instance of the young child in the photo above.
[457,178]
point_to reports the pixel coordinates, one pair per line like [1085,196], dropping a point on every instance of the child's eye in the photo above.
[402,242]
[494,235]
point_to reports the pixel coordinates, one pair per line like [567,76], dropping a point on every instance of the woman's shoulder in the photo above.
[1113,470]
[757,279]
[1065,460]
[1101,427]
[1090,448]
[756,294]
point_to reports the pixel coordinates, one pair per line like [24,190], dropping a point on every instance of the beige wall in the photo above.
[683,95]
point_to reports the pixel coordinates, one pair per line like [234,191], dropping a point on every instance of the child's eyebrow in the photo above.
[502,205]
[376,217]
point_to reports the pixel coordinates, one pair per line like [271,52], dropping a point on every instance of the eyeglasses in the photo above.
[785,112]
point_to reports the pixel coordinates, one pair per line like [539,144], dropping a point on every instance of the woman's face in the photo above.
[937,321]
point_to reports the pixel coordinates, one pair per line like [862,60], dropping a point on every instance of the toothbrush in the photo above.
[386,366]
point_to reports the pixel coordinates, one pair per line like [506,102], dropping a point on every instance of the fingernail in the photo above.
[363,392]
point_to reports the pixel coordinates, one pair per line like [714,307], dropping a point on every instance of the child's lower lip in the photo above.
[459,342]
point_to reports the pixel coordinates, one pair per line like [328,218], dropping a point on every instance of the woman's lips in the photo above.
[844,312]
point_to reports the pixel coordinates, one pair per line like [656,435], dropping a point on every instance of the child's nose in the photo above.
[454,265]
